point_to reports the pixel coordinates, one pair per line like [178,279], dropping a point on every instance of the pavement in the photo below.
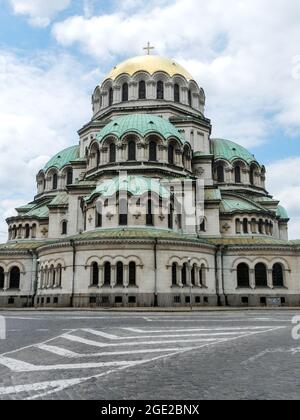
[86,355]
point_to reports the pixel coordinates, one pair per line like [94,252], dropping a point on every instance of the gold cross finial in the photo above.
[148,48]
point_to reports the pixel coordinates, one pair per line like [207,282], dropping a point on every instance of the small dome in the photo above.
[230,151]
[282,213]
[63,158]
[150,64]
[141,124]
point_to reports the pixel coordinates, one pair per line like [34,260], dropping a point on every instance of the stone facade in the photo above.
[148,148]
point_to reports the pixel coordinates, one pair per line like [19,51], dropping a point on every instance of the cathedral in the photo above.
[148,210]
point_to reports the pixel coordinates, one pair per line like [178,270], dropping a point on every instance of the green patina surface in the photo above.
[61,199]
[250,240]
[21,246]
[39,212]
[230,151]
[282,213]
[135,185]
[142,124]
[231,205]
[63,158]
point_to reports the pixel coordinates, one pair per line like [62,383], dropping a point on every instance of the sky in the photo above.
[244,53]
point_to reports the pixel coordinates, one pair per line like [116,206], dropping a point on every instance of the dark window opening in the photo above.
[263,301]
[27,231]
[193,276]
[132,300]
[245,226]
[171,217]
[105,300]
[112,153]
[48,300]
[243,275]
[220,173]
[95,274]
[171,151]
[184,274]
[174,275]
[64,228]
[205,300]
[125,92]
[237,174]
[152,151]
[123,212]
[142,89]
[177,299]
[190,99]
[107,274]
[93,300]
[111,97]
[149,216]
[187,299]
[14,280]
[283,301]
[198,300]
[2,276]
[132,274]
[120,274]
[131,150]
[99,217]
[160,90]
[55,300]
[54,182]
[70,177]
[261,277]
[277,275]
[245,300]
[118,299]
[11,301]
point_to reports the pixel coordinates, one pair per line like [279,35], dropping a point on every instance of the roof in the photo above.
[135,185]
[61,199]
[141,124]
[38,212]
[230,151]
[282,213]
[150,64]
[63,158]
[232,205]
[249,240]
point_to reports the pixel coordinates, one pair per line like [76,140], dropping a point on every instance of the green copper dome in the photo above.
[230,151]
[282,213]
[135,185]
[63,158]
[141,124]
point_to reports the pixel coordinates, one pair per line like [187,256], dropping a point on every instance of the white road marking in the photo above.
[70,354]
[63,384]
[20,366]
[140,331]
[77,339]
[115,337]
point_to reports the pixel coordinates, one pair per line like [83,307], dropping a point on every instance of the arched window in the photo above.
[245,226]
[252,175]
[123,212]
[95,274]
[52,276]
[70,177]
[132,274]
[54,182]
[190,98]
[171,217]
[59,275]
[277,275]
[202,275]
[176,93]
[131,150]
[120,274]
[243,275]
[112,153]
[149,216]
[261,278]
[271,229]
[97,158]
[237,174]
[14,278]
[27,231]
[107,274]
[111,97]
[125,92]
[184,274]
[98,216]
[220,173]
[171,151]
[253,226]
[152,151]
[174,274]
[2,276]
[261,226]
[193,275]
[203,226]
[33,231]
[142,89]
[64,227]
[160,90]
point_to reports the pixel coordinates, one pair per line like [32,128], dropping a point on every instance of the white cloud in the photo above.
[40,12]
[241,52]
[284,182]
[42,105]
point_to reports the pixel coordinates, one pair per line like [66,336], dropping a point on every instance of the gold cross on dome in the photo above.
[148,48]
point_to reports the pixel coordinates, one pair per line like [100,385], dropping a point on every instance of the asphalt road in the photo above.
[149,356]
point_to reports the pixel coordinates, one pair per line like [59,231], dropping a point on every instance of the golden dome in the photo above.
[150,64]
